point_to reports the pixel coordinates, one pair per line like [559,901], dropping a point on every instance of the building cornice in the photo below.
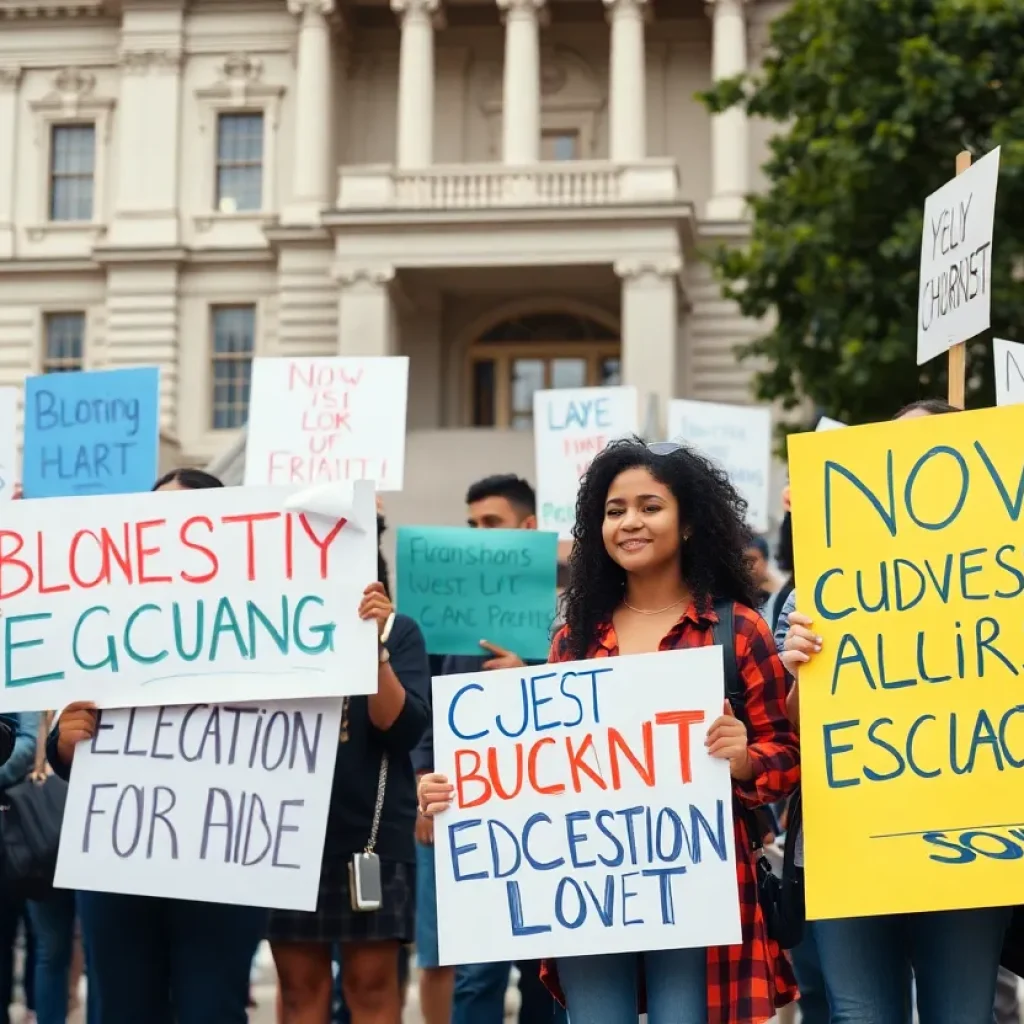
[51,8]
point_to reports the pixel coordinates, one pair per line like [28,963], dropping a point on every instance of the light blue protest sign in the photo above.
[94,432]
[463,586]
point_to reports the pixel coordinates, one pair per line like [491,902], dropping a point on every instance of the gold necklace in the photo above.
[656,611]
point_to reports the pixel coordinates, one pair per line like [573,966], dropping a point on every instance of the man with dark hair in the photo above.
[473,993]
[503,502]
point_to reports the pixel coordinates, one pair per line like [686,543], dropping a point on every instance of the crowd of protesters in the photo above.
[660,542]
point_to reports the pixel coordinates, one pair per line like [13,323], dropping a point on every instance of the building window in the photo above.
[65,342]
[239,163]
[72,172]
[234,342]
[560,145]
[538,352]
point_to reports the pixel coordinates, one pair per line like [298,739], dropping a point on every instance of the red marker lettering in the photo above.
[616,743]
[578,765]
[144,552]
[495,776]
[531,768]
[206,552]
[324,544]
[250,540]
[473,775]
[8,561]
[43,588]
[682,720]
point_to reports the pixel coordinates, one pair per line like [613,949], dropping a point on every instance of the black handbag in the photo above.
[781,899]
[33,813]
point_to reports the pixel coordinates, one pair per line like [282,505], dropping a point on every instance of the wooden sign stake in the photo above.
[957,371]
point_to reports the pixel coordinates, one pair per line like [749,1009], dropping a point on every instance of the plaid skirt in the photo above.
[334,920]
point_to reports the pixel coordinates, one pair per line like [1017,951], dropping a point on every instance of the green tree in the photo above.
[874,98]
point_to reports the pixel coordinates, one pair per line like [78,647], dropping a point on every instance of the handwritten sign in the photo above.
[93,432]
[955,301]
[909,561]
[1009,360]
[8,442]
[617,835]
[222,804]
[215,595]
[463,586]
[738,438]
[570,426]
[320,420]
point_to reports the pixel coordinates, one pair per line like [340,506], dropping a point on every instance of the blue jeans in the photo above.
[954,956]
[427,954]
[602,989]
[811,982]
[480,993]
[53,921]
[162,960]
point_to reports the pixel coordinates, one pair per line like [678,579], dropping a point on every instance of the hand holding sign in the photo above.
[502,658]
[800,644]
[727,739]
[435,794]
[77,723]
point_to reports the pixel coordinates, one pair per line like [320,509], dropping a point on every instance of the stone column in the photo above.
[367,322]
[729,143]
[311,149]
[650,330]
[416,83]
[627,91]
[9,79]
[521,96]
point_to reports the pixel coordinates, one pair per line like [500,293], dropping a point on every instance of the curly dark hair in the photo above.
[712,559]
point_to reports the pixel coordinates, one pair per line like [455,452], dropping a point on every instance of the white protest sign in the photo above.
[955,300]
[222,804]
[8,442]
[1009,360]
[570,426]
[827,423]
[588,815]
[213,595]
[738,438]
[327,419]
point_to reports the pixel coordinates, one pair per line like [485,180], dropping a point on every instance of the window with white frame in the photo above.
[234,344]
[63,342]
[72,172]
[560,145]
[239,185]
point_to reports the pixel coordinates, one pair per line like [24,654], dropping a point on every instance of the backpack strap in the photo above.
[724,634]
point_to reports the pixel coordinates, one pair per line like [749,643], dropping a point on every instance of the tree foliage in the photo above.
[874,98]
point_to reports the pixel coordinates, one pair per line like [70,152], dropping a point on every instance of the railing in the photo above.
[491,186]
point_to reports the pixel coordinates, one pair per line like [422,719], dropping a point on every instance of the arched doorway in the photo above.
[533,352]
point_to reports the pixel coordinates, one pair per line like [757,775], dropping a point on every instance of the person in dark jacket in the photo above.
[474,993]
[157,959]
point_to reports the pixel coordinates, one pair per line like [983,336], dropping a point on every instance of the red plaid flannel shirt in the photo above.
[746,983]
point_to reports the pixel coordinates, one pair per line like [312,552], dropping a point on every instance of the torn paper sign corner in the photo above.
[339,500]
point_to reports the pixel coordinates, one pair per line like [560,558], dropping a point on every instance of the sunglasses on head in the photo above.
[664,447]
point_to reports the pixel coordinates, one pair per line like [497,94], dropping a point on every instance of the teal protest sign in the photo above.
[463,586]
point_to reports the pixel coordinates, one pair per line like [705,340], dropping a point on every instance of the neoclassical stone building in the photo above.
[513,193]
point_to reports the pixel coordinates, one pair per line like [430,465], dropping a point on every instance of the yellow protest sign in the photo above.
[909,543]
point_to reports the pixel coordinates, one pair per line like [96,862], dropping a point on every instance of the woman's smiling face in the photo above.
[641,521]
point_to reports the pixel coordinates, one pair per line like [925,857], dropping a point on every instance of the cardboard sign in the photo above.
[955,301]
[212,595]
[221,804]
[325,420]
[463,586]
[589,817]
[570,426]
[1009,360]
[739,439]
[8,442]
[910,564]
[93,432]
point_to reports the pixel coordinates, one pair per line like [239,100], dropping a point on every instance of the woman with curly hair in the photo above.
[659,539]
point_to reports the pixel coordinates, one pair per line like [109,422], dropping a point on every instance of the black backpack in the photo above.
[781,899]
